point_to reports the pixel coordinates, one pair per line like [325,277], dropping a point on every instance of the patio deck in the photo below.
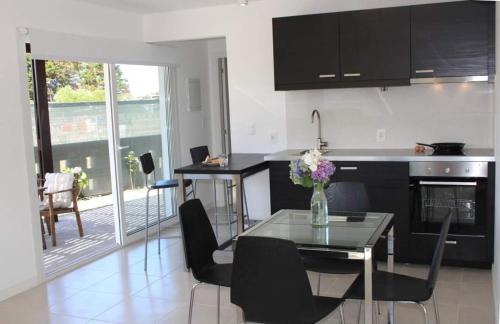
[99,231]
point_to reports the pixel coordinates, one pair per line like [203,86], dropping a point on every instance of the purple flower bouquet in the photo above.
[311,169]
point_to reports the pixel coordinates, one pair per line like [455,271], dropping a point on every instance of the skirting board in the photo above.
[19,288]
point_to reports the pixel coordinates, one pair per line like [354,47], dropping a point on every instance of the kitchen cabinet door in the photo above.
[452,39]
[375,44]
[306,51]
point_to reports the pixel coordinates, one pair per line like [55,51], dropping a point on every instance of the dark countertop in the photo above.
[238,164]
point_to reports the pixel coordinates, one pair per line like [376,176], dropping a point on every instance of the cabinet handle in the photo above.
[452,242]
[326,76]
[352,74]
[424,71]
[348,168]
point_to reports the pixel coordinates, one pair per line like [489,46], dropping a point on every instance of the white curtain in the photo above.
[170,131]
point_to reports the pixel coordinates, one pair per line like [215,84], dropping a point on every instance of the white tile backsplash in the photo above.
[460,112]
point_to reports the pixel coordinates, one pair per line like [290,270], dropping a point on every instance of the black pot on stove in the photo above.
[448,148]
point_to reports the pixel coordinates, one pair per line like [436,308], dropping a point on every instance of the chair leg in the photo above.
[191,301]
[319,284]
[146,235]
[78,220]
[53,228]
[159,214]
[359,311]
[375,316]
[424,310]
[228,213]
[436,311]
[194,188]
[44,244]
[218,304]
[245,202]
[215,211]
[341,310]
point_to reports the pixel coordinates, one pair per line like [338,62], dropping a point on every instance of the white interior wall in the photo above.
[248,31]
[428,113]
[95,34]
[195,127]
[277,117]
[20,241]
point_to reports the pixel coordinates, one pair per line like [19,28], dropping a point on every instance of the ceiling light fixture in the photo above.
[243,2]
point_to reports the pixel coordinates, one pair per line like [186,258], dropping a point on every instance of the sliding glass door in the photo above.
[98,119]
[138,123]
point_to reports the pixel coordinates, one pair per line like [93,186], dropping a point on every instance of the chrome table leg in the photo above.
[146,235]
[390,268]
[368,286]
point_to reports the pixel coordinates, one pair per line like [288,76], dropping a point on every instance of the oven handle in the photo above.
[448,183]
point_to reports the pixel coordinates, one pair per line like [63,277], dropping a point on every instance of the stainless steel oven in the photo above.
[437,187]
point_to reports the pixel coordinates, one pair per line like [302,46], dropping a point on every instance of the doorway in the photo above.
[97,119]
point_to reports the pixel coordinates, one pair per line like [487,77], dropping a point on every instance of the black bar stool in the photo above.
[198,155]
[148,167]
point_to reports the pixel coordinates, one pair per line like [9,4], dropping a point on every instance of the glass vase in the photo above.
[319,206]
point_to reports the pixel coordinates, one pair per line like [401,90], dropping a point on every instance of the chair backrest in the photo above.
[269,281]
[147,163]
[438,253]
[347,196]
[56,182]
[199,154]
[198,236]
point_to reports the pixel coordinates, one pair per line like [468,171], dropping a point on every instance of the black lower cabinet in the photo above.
[386,185]
[459,250]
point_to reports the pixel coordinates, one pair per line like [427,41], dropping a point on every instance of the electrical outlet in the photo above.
[381,135]
[274,138]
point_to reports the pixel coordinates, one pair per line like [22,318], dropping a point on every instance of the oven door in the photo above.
[433,198]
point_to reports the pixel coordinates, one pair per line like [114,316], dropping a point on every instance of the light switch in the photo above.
[381,135]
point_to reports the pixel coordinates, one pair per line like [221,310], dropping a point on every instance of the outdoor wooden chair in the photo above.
[50,212]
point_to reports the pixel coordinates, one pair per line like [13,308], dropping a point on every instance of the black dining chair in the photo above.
[341,196]
[148,167]
[404,289]
[270,284]
[199,245]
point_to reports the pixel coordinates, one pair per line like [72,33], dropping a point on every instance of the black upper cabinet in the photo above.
[383,47]
[375,44]
[306,51]
[452,39]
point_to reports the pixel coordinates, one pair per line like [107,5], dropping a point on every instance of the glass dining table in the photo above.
[349,235]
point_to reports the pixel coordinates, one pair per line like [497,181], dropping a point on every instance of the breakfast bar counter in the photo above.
[238,167]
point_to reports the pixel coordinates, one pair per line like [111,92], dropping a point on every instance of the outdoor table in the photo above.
[349,235]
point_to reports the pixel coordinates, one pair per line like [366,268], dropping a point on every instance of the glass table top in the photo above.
[345,231]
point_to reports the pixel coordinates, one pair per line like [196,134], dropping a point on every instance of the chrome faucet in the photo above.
[319,142]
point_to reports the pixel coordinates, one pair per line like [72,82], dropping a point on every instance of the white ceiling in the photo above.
[150,6]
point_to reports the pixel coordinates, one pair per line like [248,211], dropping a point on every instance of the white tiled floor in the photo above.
[115,289]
